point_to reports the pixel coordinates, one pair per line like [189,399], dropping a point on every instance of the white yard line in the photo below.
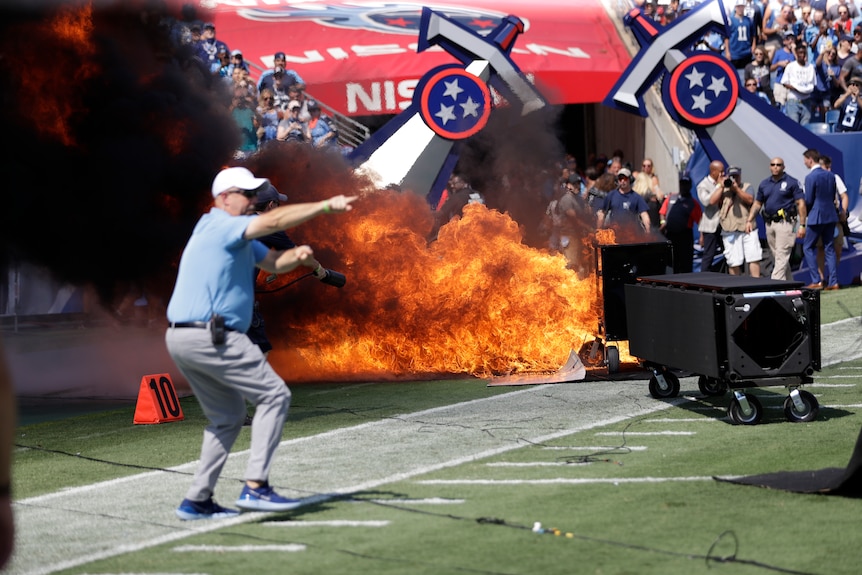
[561,481]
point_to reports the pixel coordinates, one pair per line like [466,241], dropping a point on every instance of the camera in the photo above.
[728,182]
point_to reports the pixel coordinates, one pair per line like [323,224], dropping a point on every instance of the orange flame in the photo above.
[476,301]
[48,94]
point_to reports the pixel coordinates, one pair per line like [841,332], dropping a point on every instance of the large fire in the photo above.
[476,301]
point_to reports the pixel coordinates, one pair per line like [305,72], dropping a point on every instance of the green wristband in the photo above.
[326,209]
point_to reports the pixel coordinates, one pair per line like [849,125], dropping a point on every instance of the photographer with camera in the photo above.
[740,246]
[209,314]
[709,194]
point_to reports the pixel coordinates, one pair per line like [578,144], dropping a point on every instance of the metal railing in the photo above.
[350,132]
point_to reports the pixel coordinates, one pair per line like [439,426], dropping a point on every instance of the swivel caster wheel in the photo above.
[711,386]
[663,384]
[613,358]
[801,406]
[745,409]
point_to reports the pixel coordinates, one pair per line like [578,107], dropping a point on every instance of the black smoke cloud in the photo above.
[112,136]
[513,161]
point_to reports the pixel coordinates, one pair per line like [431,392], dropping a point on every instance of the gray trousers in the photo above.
[222,378]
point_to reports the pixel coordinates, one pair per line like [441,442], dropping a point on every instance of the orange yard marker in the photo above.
[157,400]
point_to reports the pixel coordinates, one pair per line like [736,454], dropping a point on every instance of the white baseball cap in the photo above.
[241,178]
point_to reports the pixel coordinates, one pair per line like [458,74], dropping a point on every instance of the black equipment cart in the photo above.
[732,331]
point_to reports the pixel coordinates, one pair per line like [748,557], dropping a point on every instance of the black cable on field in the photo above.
[98,460]
[708,557]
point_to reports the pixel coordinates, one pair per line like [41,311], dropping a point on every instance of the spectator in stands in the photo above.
[799,78]
[828,70]
[269,115]
[623,205]
[844,50]
[843,24]
[318,130]
[208,48]
[834,10]
[780,60]
[237,61]
[278,83]
[852,67]
[804,19]
[596,194]
[712,41]
[709,193]
[240,79]
[290,129]
[297,92]
[811,19]
[590,177]
[741,38]
[615,164]
[244,114]
[758,70]
[751,86]
[279,60]
[648,168]
[649,11]
[224,68]
[679,213]
[671,11]
[642,185]
[850,104]
[195,31]
[826,35]
[777,24]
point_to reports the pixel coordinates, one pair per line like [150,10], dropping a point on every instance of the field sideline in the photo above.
[518,444]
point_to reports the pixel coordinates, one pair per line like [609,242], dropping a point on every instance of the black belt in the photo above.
[197,324]
[776,218]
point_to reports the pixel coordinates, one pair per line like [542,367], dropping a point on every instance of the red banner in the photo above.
[360,57]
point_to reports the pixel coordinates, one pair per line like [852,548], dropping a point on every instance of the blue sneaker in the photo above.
[190,510]
[264,498]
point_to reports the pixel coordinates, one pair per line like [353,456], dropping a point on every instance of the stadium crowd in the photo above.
[272,110]
[802,56]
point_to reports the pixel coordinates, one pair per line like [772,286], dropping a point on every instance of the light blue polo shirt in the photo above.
[215,273]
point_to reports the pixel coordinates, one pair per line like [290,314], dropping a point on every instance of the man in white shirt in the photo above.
[799,78]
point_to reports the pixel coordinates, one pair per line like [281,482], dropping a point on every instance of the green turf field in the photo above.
[452,477]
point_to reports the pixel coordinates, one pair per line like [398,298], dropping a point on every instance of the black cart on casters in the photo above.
[733,331]
[618,265]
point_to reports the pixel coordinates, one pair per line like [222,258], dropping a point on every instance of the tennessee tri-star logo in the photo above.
[455,104]
[703,90]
